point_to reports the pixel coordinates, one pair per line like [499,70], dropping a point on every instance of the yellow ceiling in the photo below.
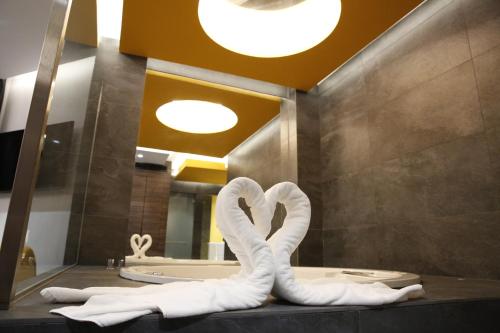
[253,110]
[203,172]
[82,22]
[170,30]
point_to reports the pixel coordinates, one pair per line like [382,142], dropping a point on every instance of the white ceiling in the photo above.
[22,29]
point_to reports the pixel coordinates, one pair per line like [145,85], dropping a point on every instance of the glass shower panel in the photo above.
[179,238]
[52,238]
[15,93]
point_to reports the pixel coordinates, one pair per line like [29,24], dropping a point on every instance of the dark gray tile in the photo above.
[493,137]
[344,92]
[110,187]
[399,193]
[488,81]
[459,178]
[463,245]
[73,239]
[103,237]
[353,247]
[483,24]
[479,316]
[430,114]
[311,249]
[116,133]
[349,201]
[434,47]
[401,246]
[346,147]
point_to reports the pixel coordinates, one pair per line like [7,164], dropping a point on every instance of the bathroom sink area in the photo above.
[173,273]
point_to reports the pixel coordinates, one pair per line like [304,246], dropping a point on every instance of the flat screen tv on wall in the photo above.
[54,160]
[10,144]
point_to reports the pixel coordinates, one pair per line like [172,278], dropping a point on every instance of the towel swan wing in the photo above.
[285,240]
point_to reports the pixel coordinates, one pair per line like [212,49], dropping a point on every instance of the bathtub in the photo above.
[173,273]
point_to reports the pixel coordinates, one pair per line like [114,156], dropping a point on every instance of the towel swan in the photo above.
[108,306]
[321,291]
[262,265]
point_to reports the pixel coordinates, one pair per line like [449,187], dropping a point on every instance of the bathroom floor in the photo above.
[450,305]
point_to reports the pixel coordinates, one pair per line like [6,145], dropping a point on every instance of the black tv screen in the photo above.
[53,162]
[10,145]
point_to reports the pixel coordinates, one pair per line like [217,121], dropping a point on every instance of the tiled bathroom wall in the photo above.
[410,146]
[116,94]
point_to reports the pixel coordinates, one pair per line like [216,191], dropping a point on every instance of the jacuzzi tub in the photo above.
[172,273]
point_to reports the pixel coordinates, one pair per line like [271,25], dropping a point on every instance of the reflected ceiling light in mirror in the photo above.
[194,116]
[176,158]
[269,33]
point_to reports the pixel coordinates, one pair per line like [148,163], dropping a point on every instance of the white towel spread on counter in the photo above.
[321,291]
[248,289]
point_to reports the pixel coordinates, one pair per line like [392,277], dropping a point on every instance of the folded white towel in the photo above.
[321,291]
[250,288]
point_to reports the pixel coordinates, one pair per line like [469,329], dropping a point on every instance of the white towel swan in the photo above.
[322,291]
[250,288]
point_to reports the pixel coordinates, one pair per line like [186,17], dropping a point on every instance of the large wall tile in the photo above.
[488,80]
[345,94]
[114,136]
[432,113]
[493,137]
[349,201]
[483,24]
[102,237]
[110,186]
[400,194]
[346,147]
[311,248]
[464,245]
[432,48]
[459,178]
[357,247]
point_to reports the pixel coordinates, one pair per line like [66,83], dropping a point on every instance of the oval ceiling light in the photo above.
[269,33]
[193,116]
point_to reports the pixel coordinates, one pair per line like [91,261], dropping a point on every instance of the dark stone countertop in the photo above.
[450,305]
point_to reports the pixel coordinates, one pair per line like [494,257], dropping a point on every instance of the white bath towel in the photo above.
[322,291]
[249,289]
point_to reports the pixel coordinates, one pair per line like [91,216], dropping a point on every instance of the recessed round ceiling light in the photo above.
[269,33]
[194,116]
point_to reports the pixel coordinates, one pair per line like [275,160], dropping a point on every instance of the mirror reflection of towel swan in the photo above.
[140,244]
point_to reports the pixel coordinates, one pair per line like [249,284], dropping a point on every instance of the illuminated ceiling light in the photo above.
[109,18]
[269,33]
[198,117]
[140,156]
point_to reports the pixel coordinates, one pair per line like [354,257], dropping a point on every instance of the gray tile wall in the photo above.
[116,95]
[149,206]
[309,176]
[288,149]
[410,147]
